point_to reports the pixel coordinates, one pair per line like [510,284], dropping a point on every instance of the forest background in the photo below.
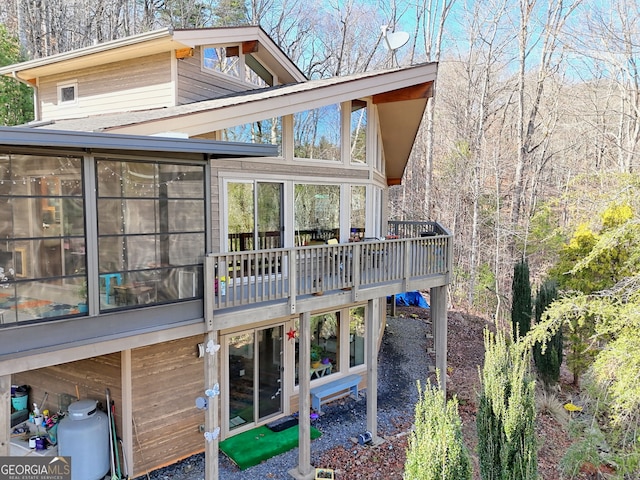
[534,128]
[527,152]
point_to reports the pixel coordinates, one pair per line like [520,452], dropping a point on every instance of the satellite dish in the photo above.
[394,40]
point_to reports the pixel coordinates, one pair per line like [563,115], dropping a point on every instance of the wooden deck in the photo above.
[356,271]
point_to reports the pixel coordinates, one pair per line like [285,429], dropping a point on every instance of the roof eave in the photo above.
[62,139]
[157,41]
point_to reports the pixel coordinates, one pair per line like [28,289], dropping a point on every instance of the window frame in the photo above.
[65,85]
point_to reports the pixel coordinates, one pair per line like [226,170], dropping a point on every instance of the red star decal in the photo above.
[291,334]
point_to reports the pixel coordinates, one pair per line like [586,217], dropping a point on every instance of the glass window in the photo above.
[317,213]
[151,232]
[317,133]
[356,336]
[42,256]
[358,211]
[230,60]
[67,93]
[358,131]
[325,345]
[224,60]
[254,217]
[264,132]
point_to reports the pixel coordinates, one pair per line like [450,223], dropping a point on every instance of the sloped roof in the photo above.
[157,41]
[400,95]
[74,140]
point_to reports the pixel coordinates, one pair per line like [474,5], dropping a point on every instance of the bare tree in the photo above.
[608,39]
[556,16]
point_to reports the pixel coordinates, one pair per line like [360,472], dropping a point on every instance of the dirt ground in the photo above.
[465,356]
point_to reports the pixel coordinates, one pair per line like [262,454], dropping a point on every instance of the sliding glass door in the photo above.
[254,215]
[255,366]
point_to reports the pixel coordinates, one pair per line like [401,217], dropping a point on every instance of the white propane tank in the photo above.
[83,435]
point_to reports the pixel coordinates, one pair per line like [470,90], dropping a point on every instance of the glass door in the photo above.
[270,368]
[255,366]
[254,215]
[241,360]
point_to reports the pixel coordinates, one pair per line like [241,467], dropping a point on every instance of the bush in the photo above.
[521,302]
[436,450]
[506,412]
[548,357]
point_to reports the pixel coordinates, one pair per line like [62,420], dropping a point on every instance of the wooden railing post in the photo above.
[291,270]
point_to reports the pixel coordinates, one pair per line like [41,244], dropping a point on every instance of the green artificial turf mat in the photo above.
[254,446]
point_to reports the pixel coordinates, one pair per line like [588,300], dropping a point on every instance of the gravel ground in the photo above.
[402,362]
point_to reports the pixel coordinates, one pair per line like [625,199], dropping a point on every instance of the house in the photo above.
[188,216]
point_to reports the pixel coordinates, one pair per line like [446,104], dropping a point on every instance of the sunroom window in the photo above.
[317,133]
[317,213]
[151,232]
[358,131]
[42,255]
[267,131]
[358,212]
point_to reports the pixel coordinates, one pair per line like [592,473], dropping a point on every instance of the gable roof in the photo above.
[157,41]
[400,95]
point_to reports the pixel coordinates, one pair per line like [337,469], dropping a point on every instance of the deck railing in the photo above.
[247,278]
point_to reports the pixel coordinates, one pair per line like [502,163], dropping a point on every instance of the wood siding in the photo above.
[87,378]
[166,380]
[194,85]
[138,84]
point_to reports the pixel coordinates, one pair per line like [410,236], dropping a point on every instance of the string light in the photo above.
[52,177]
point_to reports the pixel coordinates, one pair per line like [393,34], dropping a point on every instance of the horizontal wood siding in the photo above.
[138,84]
[166,378]
[87,378]
[194,85]
[291,170]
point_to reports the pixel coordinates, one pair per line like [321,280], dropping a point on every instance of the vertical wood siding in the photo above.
[166,378]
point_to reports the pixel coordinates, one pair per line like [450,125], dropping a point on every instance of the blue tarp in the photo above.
[411,298]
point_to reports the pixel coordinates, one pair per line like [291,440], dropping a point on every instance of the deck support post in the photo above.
[372,333]
[211,376]
[304,471]
[126,410]
[438,297]
[5,415]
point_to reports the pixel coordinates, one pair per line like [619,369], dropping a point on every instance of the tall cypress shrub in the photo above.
[521,303]
[548,358]
[506,413]
[436,450]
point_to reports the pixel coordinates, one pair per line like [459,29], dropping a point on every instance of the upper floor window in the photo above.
[42,224]
[317,133]
[222,60]
[358,131]
[68,92]
[232,62]
[267,131]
